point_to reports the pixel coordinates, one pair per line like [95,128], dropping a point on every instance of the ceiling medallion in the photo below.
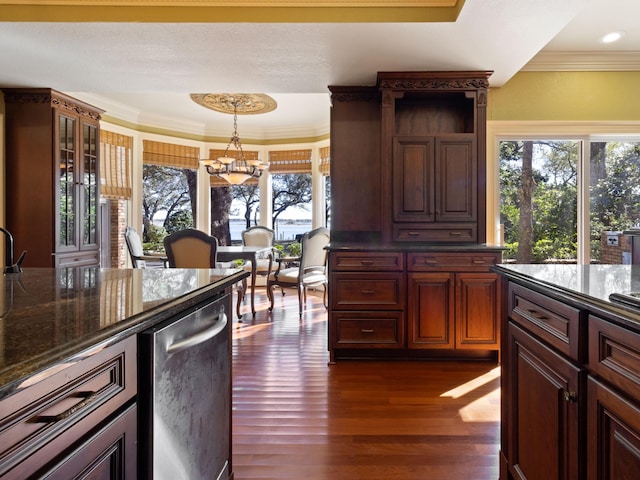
[236,103]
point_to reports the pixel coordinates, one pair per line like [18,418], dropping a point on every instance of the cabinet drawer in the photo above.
[61,405]
[418,262]
[420,232]
[614,355]
[560,325]
[82,259]
[373,291]
[367,330]
[367,261]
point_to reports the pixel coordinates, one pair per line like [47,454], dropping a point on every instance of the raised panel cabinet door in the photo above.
[413,179]
[544,399]
[477,315]
[430,310]
[613,435]
[456,177]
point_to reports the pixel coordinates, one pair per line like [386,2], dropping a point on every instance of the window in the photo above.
[538,200]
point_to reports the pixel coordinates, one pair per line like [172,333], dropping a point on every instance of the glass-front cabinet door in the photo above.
[78,190]
[68,181]
[89,187]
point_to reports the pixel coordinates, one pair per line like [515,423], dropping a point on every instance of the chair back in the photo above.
[191,248]
[258,236]
[314,254]
[134,245]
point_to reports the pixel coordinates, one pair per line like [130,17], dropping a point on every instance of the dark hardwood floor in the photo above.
[296,417]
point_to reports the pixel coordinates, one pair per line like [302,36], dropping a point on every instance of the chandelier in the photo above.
[233,166]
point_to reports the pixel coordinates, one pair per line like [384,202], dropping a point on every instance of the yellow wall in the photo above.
[580,96]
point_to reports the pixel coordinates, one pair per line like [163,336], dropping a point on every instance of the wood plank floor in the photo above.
[296,417]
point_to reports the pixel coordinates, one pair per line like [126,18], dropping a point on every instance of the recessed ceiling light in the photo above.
[611,37]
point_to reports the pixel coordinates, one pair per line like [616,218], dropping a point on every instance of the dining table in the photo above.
[244,252]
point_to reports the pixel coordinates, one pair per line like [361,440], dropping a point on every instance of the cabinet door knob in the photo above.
[570,396]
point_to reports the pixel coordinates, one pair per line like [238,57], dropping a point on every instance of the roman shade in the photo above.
[115,165]
[290,161]
[170,155]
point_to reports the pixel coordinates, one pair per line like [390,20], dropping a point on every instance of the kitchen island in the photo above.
[70,362]
[570,372]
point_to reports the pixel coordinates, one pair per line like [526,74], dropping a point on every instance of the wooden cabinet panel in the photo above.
[614,355]
[450,261]
[413,179]
[367,329]
[456,178]
[613,449]
[557,323]
[430,317]
[373,291]
[477,300]
[109,454]
[366,261]
[546,394]
[49,416]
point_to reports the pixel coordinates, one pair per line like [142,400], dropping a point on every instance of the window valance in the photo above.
[170,155]
[290,161]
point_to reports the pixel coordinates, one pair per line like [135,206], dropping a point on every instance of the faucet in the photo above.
[11,267]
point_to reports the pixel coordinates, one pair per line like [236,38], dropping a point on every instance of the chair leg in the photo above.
[324,296]
[240,290]
[300,295]
[270,295]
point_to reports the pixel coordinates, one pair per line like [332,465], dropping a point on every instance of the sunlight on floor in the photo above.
[485,408]
[473,384]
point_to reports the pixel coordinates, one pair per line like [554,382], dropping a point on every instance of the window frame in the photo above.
[583,132]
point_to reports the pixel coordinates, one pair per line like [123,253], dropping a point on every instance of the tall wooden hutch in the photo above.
[408,263]
[52,177]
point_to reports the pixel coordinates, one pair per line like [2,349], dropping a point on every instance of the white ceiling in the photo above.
[143,73]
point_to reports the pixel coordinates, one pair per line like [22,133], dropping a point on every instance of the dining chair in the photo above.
[310,272]
[259,236]
[138,257]
[191,248]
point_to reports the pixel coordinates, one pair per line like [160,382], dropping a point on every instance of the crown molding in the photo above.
[583,61]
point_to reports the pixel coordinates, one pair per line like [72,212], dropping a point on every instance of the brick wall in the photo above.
[119,250]
[612,254]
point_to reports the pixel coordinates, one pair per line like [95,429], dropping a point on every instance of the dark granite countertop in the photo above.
[49,315]
[587,284]
[413,247]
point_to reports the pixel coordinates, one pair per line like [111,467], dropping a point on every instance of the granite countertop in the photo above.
[592,284]
[48,315]
[412,247]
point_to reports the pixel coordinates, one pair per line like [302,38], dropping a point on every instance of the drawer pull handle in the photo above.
[570,396]
[478,261]
[537,315]
[455,234]
[366,330]
[430,261]
[87,398]
[366,262]
[368,292]
[413,234]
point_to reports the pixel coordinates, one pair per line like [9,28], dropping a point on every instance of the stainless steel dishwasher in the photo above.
[185,395]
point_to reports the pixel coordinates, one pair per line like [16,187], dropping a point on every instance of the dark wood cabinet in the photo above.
[571,388]
[546,390]
[449,307]
[434,189]
[52,177]
[70,415]
[408,176]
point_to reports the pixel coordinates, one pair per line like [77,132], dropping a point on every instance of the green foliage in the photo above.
[178,221]
[294,249]
[155,235]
